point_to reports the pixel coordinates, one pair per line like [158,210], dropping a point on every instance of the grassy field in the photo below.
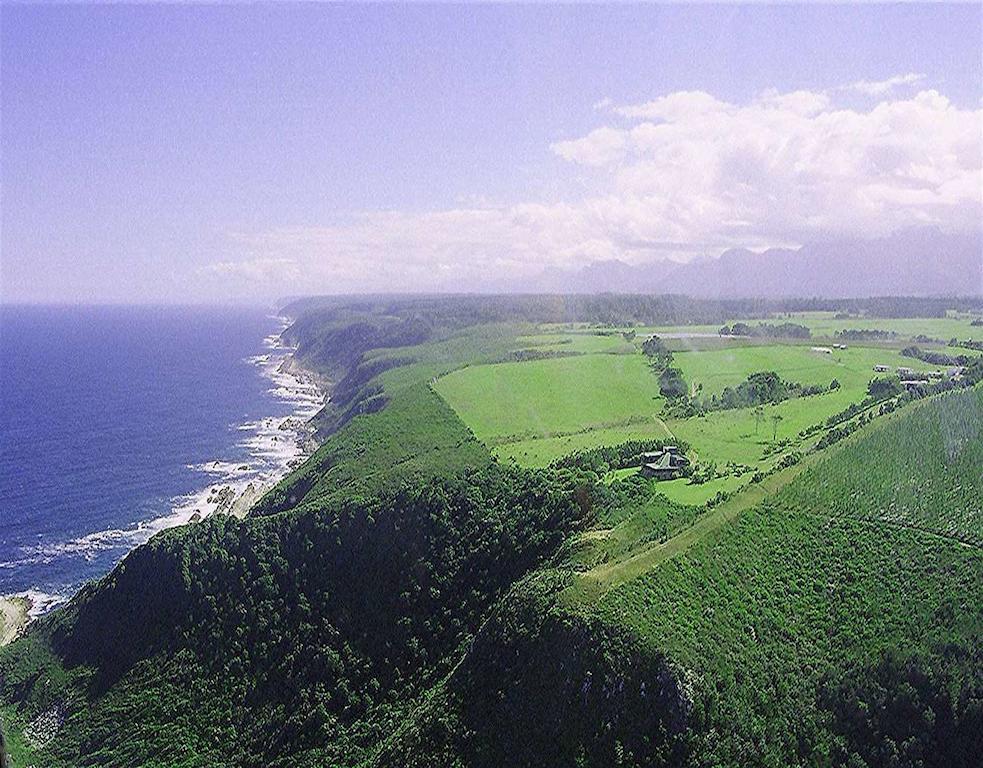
[579,342]
[538,452]
[508,402]
[853,367]
[826,324]
[735,435]
[918,468]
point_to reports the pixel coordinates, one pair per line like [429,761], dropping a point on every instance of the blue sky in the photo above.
[195,153]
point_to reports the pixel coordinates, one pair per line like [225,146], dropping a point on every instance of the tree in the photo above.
[657,350]
[834,384]
[775,419]
[882,388]
[759,414]
[672,385]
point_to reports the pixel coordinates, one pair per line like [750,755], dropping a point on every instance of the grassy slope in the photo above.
[579,342]
[539,452]
[415,434]
[918,469]
[766,600]
[927,467]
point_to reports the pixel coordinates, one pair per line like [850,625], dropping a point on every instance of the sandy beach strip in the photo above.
[14,615]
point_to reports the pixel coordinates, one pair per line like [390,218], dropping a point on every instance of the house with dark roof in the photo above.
[665,464]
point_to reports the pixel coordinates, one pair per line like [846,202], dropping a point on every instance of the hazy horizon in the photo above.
[205,154]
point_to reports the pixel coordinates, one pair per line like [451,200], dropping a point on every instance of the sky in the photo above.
[206,153]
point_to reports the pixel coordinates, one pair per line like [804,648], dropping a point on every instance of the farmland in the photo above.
[853,367]
[603,392]
[825,325]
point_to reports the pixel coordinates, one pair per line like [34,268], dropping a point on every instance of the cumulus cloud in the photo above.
[685,168]
[787,166]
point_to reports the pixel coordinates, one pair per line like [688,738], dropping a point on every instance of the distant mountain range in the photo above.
[915,262]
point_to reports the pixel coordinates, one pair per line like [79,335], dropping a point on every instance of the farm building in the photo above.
[905,373]
[839,346]
[822,350]
[913,383]
[882,368]
[665,464]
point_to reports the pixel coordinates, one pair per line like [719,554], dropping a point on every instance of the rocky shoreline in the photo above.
[15,613]
[310,391]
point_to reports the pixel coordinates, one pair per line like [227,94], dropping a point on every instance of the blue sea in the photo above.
[116,422]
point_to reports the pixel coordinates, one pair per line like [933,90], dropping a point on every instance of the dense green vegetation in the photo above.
[411,596]
[769,330]
[783,636]
[302,632]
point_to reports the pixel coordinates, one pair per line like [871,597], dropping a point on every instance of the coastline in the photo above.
[274,446]
[284,442]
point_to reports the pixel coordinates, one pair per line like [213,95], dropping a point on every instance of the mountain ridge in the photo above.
[921,261]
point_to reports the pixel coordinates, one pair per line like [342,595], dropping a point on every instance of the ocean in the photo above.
[117,422]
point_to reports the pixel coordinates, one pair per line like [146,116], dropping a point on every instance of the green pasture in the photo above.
[506,402]
[584,343]
[826,324]
[853,368]
[536,411]
[538,452]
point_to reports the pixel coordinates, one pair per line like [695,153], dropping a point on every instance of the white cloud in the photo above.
[675,106]
[881,87]
[600,147]
[685,168]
